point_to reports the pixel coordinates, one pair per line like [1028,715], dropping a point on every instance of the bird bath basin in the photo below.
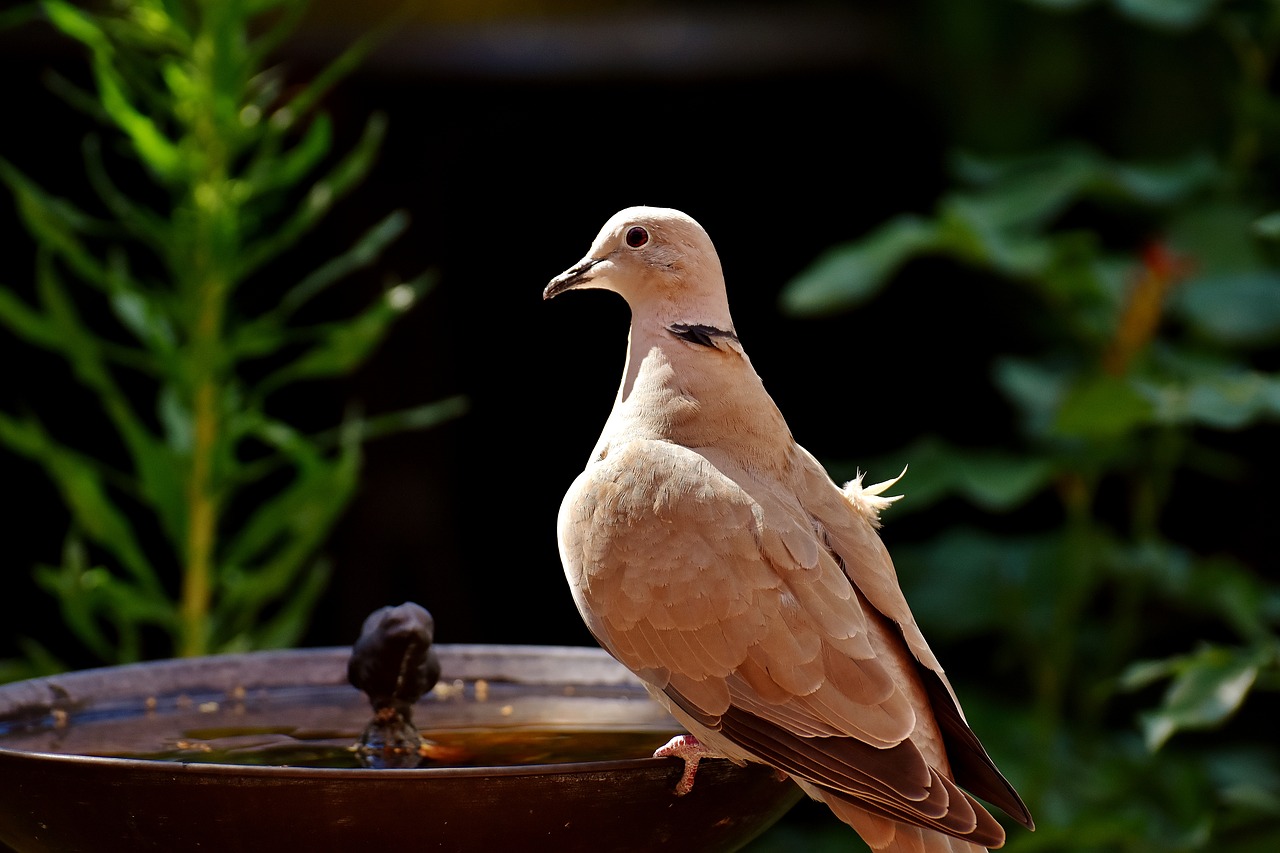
[534,748]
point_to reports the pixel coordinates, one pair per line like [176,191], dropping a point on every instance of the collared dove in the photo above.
[714,557]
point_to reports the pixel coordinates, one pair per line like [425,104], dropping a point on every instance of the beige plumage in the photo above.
[715,558]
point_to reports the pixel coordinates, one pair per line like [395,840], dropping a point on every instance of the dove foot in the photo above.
[691,751]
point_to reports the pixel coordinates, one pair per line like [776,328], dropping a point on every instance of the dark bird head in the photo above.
[393,661]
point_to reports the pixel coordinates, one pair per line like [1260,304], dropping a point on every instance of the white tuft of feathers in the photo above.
[868,500]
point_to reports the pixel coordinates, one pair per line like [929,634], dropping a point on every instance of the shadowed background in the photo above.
[785,130]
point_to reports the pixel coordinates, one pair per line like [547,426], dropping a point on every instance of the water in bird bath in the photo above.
[462,724]
[482,748]
[256,753]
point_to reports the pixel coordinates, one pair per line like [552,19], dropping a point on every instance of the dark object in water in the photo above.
[394,664]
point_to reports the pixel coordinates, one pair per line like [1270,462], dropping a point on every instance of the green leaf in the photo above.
[36,662]
[163,466]
[1246,777]
[1218,238]
[1231,402]
[142,316]
[850,274]
[1238,310]
[264,559]
[1103,407]
[75,23]
[1234,592]
[154,149]
[1209,687]
[362,254]
[296,509]
[71,584]
[966,583]
[27,323]
[55,223]
[973,231]
[1145,673]
[323,193]
[90,596]
[1001,481]
[1026,192]
[84,492]
[22,435]
[142,223]
[158,470]
[346,345]
[305,100]
[1162,183]
[1084,287]
[271,171]
[1168,14]
[1037,389]
[1268,226]
[365,429]
[77,97]
[419,417]
[1227,400]
[175,417]
[288,625]
[1000,224]
[280,27]
[143,312]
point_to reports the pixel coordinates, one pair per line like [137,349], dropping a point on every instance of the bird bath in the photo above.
[530,748]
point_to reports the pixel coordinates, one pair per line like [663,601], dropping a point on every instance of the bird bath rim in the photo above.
[571,805]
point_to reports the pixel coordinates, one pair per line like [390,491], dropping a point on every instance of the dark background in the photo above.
[516,130]
[510,144]
[514,133]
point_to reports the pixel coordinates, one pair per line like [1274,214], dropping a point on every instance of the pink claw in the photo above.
[691,751]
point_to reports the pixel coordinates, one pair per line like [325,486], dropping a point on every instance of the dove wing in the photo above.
[720,592]
[867,564]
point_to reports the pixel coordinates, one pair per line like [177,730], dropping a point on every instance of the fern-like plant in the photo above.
[206,530]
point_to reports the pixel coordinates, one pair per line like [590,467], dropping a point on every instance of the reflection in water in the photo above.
[457,748]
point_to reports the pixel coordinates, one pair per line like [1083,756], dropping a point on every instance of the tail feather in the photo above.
[885,835]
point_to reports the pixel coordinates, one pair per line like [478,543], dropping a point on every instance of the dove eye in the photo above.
[637,237]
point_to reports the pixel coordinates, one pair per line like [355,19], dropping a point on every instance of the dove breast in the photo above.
[716,591]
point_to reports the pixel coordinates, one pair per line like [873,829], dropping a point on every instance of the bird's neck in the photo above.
[692,384]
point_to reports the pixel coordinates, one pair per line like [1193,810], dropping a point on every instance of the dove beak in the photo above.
[576,276]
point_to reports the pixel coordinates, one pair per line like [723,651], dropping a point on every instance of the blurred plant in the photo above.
[204,532]
[1151,351]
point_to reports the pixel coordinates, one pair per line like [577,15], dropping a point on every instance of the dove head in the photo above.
[658,259]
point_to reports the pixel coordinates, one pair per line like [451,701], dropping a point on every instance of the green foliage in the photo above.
[1170,14]
[206,531]
[1139,649]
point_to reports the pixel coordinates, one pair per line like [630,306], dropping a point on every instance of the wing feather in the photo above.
[724,597]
